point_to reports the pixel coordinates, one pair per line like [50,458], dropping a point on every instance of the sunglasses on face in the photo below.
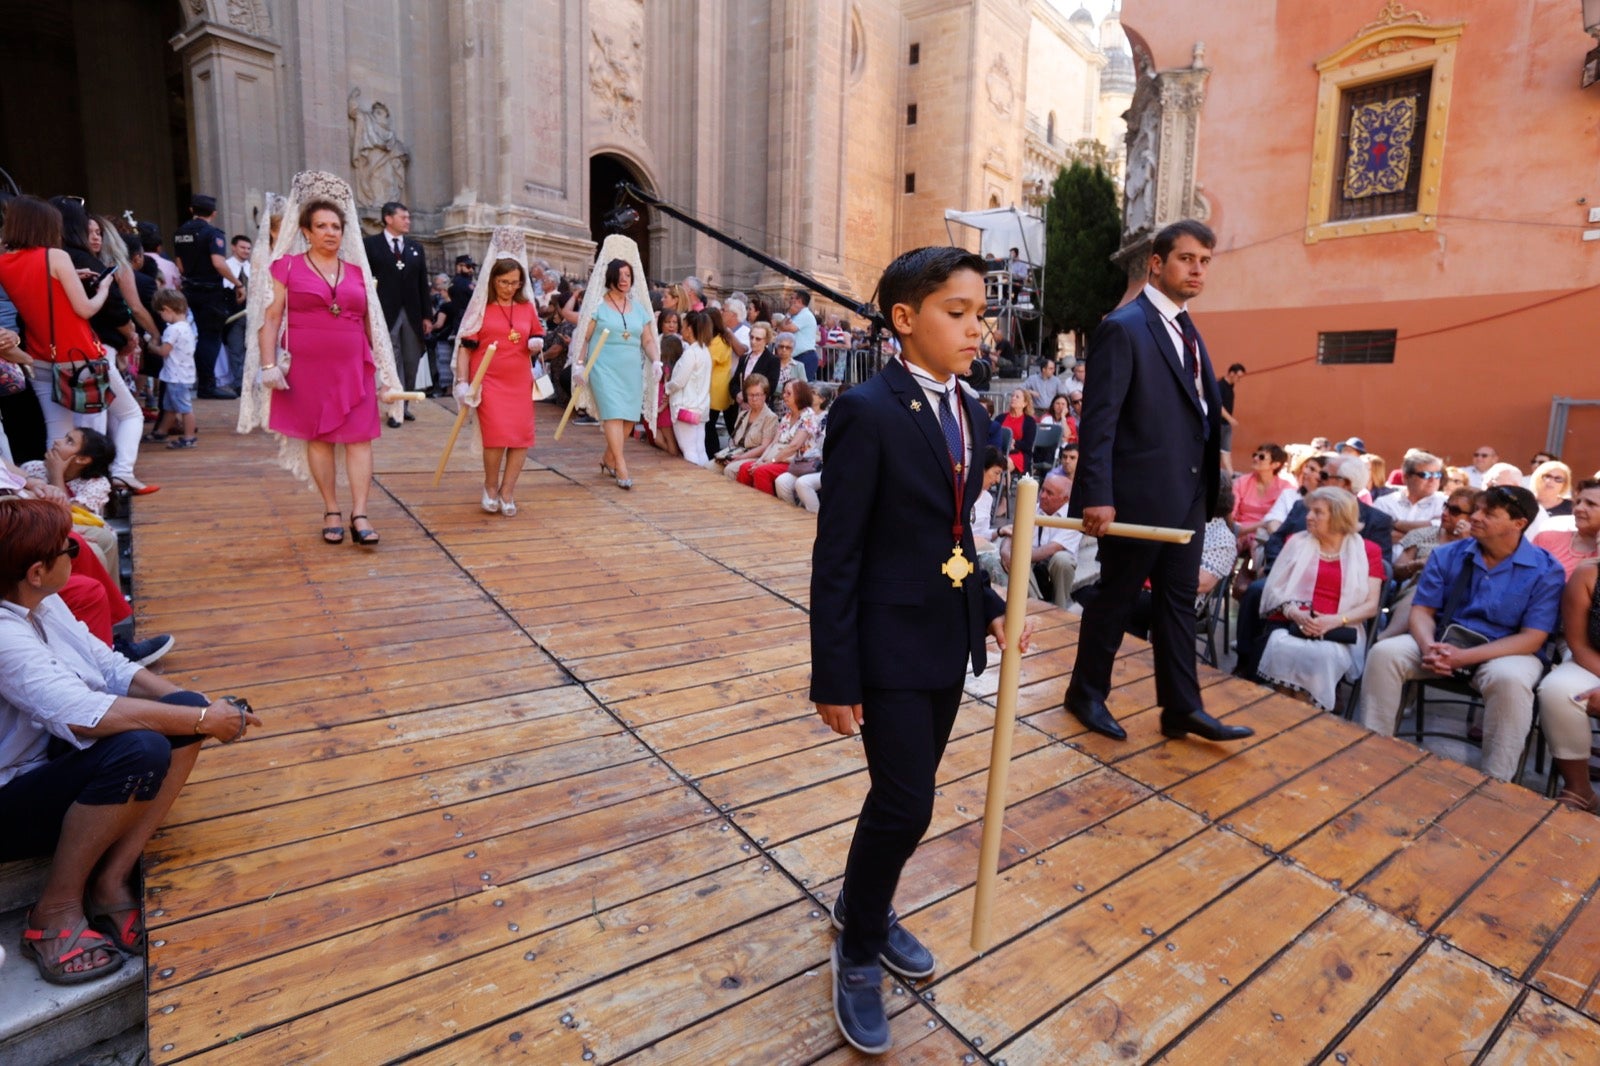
[1432,475]
[1554,477]
[1459,512]
[70,551]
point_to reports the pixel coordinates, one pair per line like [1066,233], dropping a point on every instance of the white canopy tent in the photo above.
[1002,228]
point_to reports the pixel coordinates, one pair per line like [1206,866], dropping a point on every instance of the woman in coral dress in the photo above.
[504,399]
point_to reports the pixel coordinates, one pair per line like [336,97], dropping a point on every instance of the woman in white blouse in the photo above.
[93,751]
[689,389]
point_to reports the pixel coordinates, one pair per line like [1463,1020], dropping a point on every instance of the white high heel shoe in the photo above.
[508,508]
[490,504]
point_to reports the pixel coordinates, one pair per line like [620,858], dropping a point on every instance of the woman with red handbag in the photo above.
[689,390]
[38,275]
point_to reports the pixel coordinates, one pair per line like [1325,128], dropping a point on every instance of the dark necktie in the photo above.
[952,430]
[399,250]
[1191,348]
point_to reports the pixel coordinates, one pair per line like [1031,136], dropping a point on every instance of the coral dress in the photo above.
[333,393]
[505,414]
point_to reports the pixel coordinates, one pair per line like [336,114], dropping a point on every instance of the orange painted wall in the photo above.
[1522,151]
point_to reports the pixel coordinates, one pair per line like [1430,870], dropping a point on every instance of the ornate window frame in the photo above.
[1398,42]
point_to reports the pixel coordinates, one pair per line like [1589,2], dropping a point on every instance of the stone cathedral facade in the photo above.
[829,133]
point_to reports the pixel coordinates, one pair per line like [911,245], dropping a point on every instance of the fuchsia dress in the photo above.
[333,393]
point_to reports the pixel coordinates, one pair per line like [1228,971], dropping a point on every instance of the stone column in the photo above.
[517,97]
[234,94]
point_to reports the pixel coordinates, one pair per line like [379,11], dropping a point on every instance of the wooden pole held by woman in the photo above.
[461,415]
[588,368]
[1005,713]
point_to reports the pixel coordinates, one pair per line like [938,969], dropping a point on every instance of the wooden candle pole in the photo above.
[1005,712]
[588,368]
[461,415]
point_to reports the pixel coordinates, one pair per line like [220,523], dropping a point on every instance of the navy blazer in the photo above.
[400,289]
[1145,446]
[882,613]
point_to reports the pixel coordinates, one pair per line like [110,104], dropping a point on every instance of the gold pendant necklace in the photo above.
[512,333]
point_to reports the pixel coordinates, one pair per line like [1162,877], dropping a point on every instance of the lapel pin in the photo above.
[916,405]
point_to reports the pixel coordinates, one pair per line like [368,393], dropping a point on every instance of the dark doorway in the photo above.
[604,172]
[95,105]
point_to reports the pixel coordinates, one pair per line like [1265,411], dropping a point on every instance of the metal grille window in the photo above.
[1356,347]
[1385,190]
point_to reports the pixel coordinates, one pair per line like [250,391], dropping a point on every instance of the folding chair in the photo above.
[1213,615]
[1046,443]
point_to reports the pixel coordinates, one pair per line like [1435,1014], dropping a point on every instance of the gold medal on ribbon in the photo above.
[333,309]
[957,568]
[513,336]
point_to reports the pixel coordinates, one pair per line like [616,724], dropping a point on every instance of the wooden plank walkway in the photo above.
[549,789]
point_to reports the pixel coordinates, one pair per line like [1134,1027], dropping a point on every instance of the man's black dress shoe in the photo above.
[394,423]
[1203,726]
[1095,716]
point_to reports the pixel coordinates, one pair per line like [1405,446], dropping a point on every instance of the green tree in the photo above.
[1083,229]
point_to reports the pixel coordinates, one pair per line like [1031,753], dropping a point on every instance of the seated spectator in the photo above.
[1217,556]
[983,533]
[789,368]
[1454,478]
[1483,458]
[93,751]
[1075,378]
[79,464]
[1377,477]
[1058,413]
[1255,493]
[802,482]
[1067,465]
[1552,487]
[1502,474]
[1321,445]
[1346,472]
[1043,386]
[1307,471]
[795,429]
[756,428]
[1023,429]
[1575,546]
[1420,503]
[1054,551]
[1569,699]
[1415,547]
[1482,613]
[1325,585]
[1352,446]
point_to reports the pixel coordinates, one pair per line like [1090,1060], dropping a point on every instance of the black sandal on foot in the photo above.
[362,538]
[333,534]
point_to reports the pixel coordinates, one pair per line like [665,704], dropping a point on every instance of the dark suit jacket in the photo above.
[1144,445]
[400,289]
[767,367]
[1376,526]
[882,613]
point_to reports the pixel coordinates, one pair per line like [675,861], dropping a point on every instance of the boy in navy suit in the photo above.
[897,609]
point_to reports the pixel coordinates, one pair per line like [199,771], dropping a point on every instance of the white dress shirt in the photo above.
[1169,312]
[54,674]
[933,389]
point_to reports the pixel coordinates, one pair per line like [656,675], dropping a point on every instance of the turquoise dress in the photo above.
[616,374]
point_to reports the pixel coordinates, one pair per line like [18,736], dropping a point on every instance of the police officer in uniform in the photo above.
[202,252]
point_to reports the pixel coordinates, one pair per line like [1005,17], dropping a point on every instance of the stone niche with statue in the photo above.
[1163,134]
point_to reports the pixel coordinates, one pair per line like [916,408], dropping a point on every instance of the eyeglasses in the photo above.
[1483,455]
[1259,455]
[1553,476]
[1459,512]
[70,551]
[1426,475]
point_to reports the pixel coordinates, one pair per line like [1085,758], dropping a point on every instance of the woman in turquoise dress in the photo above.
[615,373]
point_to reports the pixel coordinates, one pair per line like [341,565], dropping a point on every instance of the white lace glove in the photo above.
[272,377]
[463,394]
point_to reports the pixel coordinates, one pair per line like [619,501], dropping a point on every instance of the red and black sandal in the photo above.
[80,943]
[127,934]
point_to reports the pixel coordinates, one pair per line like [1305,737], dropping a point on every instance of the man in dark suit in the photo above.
[401,271]
[897,614]
[1148,452]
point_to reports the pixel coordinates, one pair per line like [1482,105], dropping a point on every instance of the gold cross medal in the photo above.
[513,336]
[916,405]
[957,568]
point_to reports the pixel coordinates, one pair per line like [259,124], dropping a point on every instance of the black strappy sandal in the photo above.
[362,538]
[333,534]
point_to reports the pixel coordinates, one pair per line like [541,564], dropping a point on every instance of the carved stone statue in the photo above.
[378,157]
[613,78]
[1139,211]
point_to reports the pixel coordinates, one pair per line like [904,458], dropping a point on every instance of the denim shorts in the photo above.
[179,398]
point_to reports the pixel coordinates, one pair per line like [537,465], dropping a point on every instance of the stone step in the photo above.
[20,884]
[44,1023]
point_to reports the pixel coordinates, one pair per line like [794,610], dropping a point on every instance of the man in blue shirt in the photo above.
[1495,585]
[803,324]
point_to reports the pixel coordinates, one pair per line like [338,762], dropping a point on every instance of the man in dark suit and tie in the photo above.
[1149,453]
[401,271]
[898,613]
